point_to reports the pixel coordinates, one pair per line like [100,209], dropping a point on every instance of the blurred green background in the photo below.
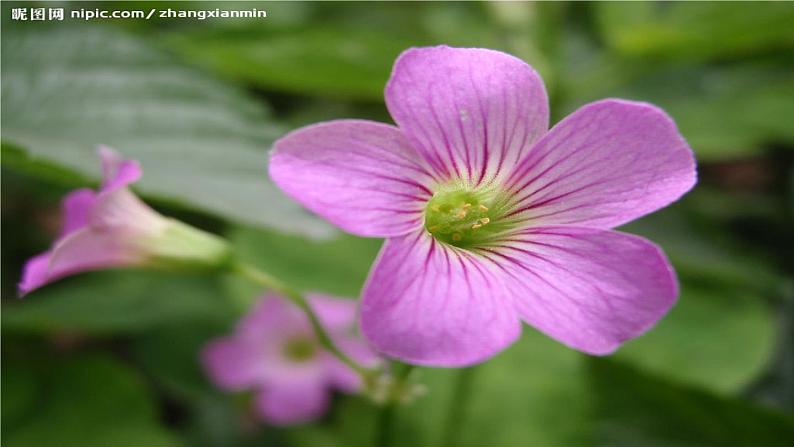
[109,358]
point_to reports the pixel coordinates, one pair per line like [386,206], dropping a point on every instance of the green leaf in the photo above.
[170,355]
[92,401]
[688,30]
[338,266]
[724,112]
[202,143]
[633,409]
[112,302]
[702,253]
[720,333]
[716,338]
[315,60]
[534,393]
[345,51]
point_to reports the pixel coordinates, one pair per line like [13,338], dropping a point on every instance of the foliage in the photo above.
[110,358]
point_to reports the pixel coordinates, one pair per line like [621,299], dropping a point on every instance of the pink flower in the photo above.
[274,351]
[492,218]
[114,228]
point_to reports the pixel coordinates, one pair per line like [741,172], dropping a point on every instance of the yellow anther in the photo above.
[466,206]
[475,226]
[456,237]
[461,214]
[485,220]
[483,208]
[433,229]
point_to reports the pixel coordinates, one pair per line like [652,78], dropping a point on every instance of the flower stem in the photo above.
[264,279]
[400,373]
[457,407]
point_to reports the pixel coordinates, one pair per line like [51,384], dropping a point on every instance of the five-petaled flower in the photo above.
[274,351]
[114,228]
[492,218]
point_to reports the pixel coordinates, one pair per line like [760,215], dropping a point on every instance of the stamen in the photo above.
[459,217]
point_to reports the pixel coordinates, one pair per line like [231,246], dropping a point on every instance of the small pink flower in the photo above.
[492,218]
[274,351]
[114,228]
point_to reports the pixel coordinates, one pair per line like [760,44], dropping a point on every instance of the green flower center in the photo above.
[300,349]
[464,218]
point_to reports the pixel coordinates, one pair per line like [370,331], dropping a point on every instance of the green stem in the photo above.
[385,423]
[457,407]
[400,373]
[265,280]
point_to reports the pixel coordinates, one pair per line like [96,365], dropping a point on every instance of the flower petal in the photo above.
[92,249]
[77,206]
[339,374]
[80,251]
[117,172]
[361,176]
[472,113]
[431,304]
[336,314]
[121,208]
[234,364]
[606,164]
[292,403]
[272,320]
[590,289]
[34,274]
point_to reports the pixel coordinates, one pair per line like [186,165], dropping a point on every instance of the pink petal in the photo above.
[361,176]
[292,403]
[431,304]
[590,289]
[77,207]
[336,314]
[117,172]
[122,209]
[91,249]
[472,113]
[606,164]
[34,274]
[340,376]
[80,251]
[234,364]
[273,319]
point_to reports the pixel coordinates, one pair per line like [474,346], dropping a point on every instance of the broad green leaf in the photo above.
[702,252]
[638,410]
[202,143]
[715,338]
[534,393]
[91,401]
[323,61]
[170,355]
[118,302]
[338,266]
[720,333]
[20,391]
[347,51]
[683,30]
[723,112]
